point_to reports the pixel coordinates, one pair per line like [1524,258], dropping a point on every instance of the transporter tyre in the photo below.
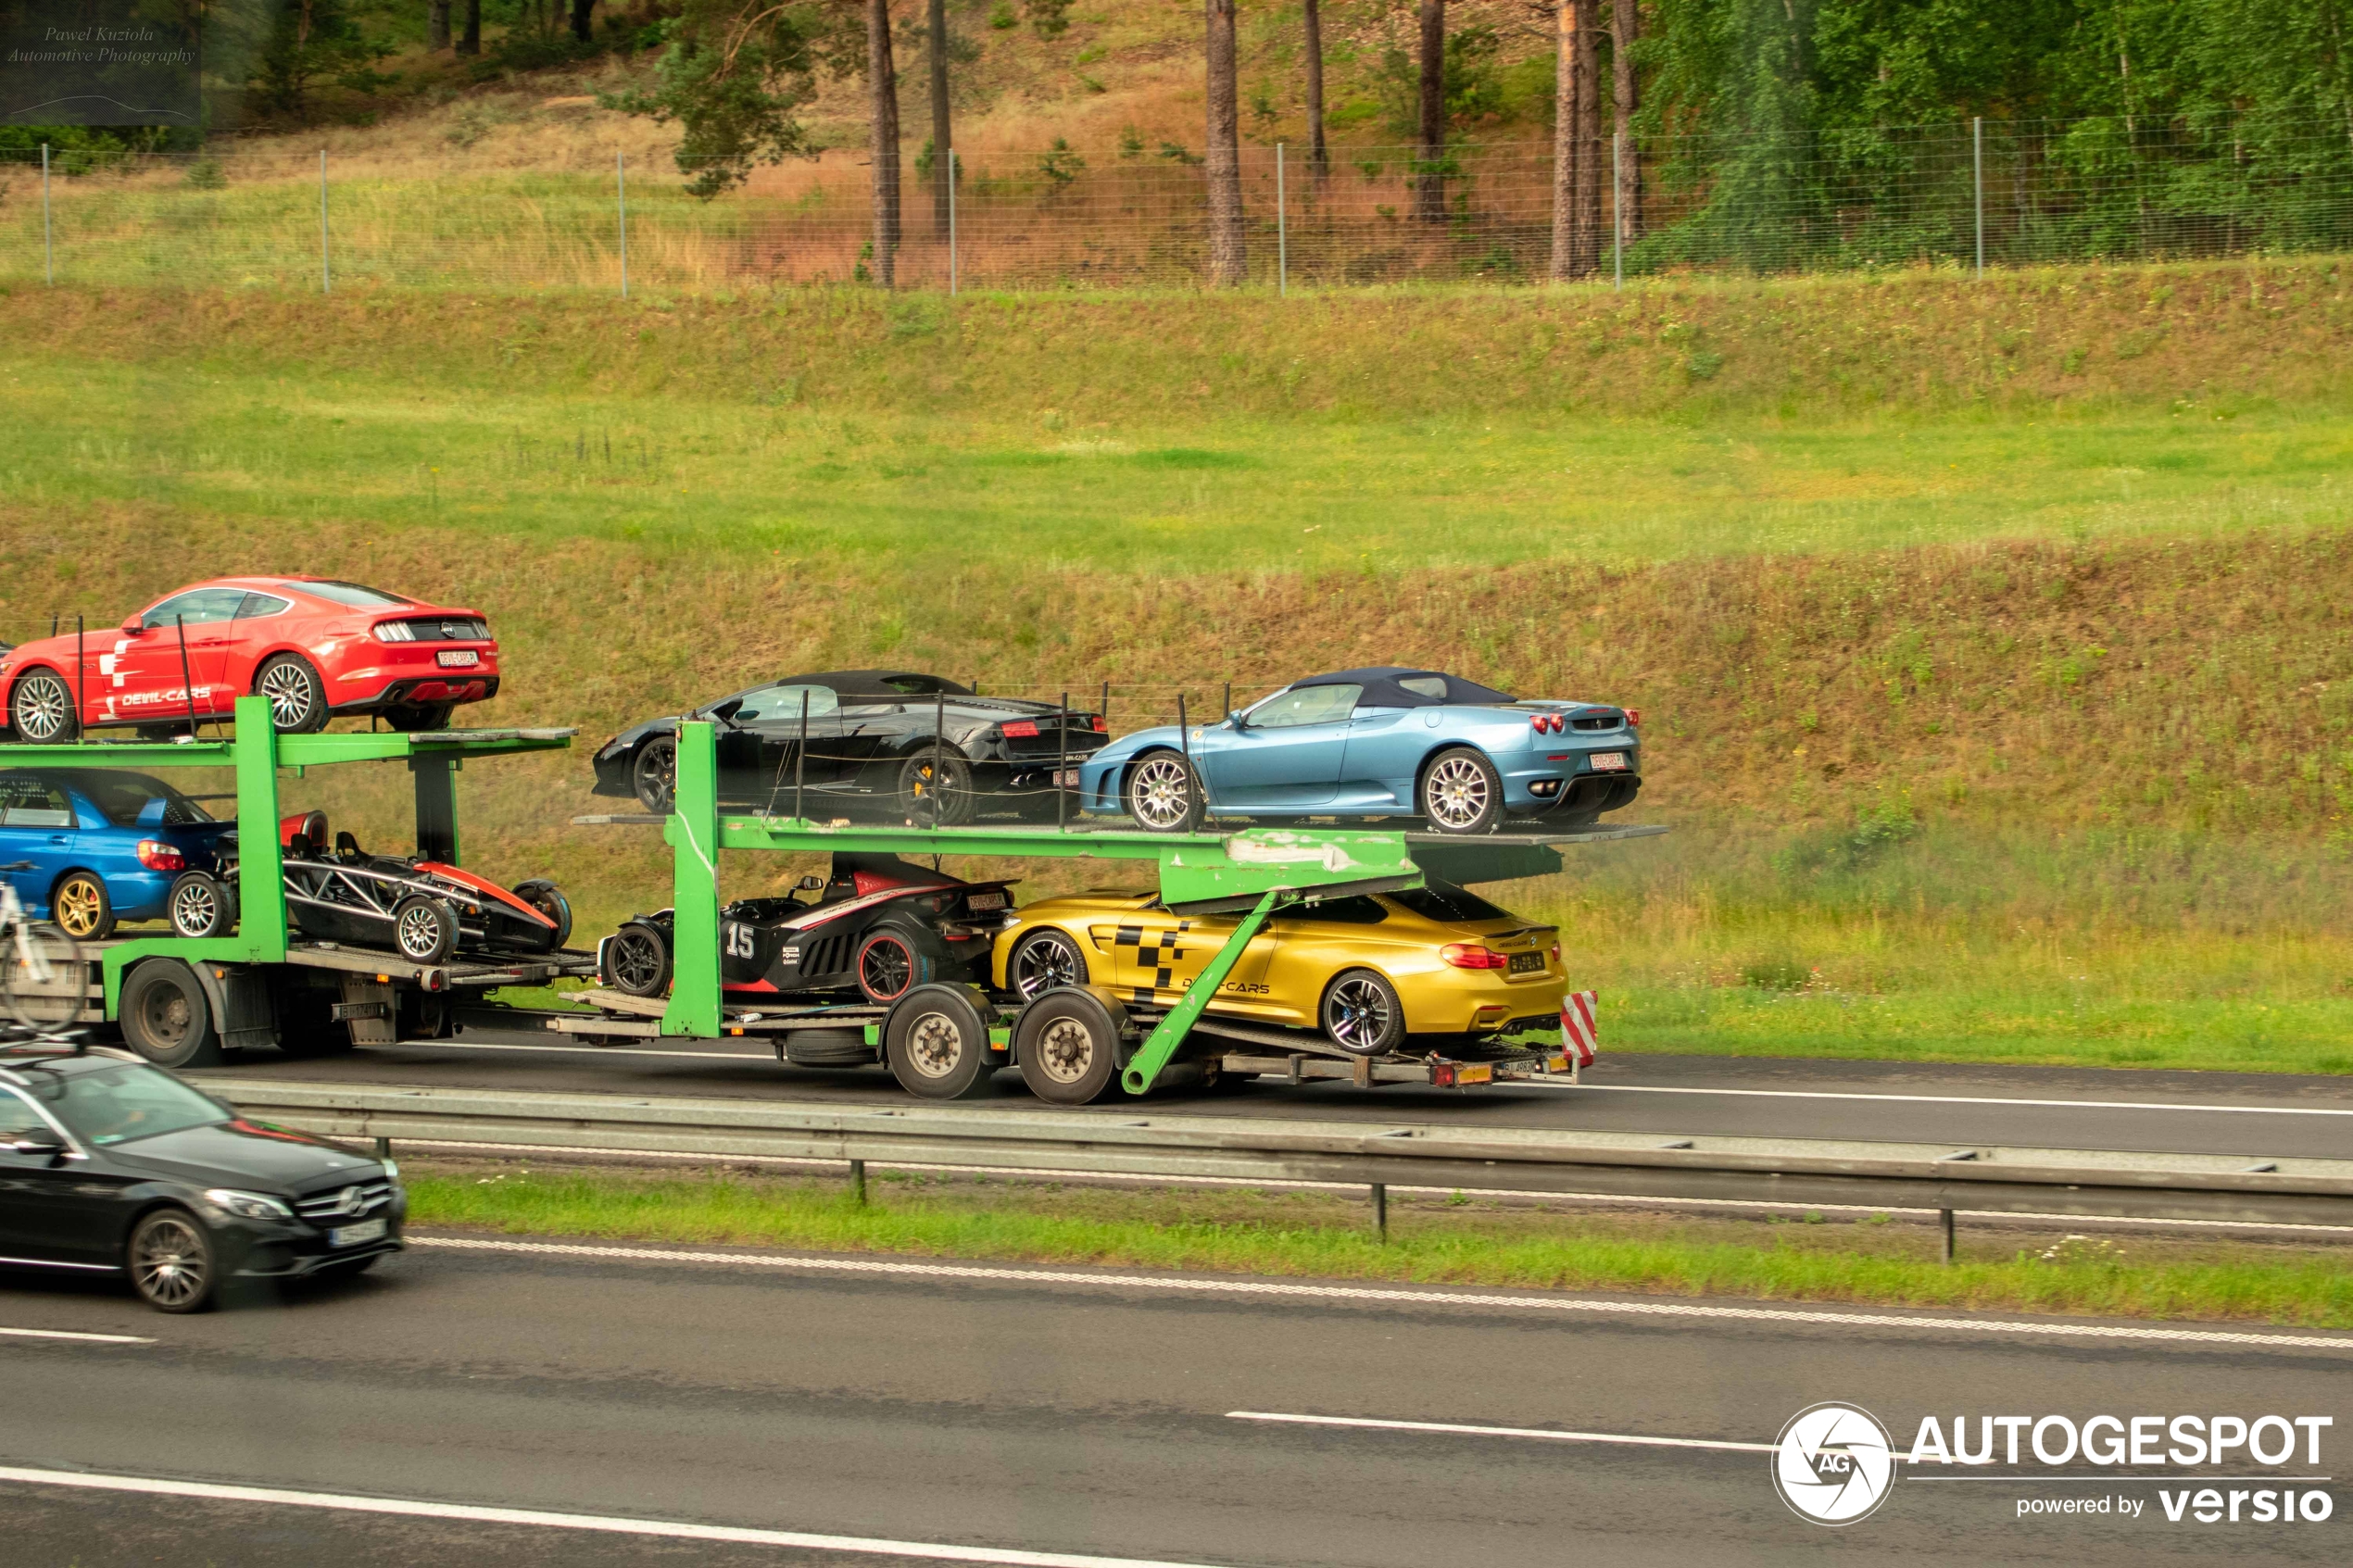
[937,1042]
[165,1017]
[1045,960]
[201,905]
[1069,1044]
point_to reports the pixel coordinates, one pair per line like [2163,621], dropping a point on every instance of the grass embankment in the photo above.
[1467,1241]
[1964,764]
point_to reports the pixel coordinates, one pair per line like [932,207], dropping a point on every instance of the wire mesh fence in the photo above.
[1970,193]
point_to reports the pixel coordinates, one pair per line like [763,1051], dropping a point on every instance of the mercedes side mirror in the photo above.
[39,1147]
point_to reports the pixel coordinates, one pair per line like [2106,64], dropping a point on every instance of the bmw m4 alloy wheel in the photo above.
[1045,960]
[1461,792]
[1363,1014]
[1164,795]
[40,709]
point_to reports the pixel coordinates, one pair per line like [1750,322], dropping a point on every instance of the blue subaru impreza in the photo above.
[102,844]
[1385,742]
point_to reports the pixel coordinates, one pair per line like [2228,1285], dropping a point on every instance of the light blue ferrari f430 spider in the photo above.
[1385,742]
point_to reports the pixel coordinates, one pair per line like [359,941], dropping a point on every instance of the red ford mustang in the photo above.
[312,646]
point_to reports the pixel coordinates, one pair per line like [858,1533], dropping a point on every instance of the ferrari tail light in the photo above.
[158,856]
[393,632]
[1471,955]
[1020,727]
[1634,717]
[1549,723]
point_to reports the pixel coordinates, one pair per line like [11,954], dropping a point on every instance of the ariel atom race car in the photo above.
[878,927]
[422,910]
[314,646]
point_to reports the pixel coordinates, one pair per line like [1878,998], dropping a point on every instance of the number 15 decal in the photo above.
[739,941]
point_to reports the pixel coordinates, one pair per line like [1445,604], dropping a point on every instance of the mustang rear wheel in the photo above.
[1045,960]
[80,907]
[1461,792]
[297,697]
[40,709]
[416,718]
[1163,794]
[653,778]
[636,960]
[425,930]
[1363,1014]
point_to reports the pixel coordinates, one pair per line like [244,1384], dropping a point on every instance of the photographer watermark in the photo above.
[1833,1463]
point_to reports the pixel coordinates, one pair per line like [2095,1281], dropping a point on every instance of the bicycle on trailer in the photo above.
[42,980]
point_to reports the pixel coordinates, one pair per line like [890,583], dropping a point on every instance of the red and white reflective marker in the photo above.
[1579,1036]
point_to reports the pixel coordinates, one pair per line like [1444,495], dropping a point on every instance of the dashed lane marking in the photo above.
[1455,1429]
[69,1333]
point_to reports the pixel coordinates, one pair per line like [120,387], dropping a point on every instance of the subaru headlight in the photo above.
[247,1204]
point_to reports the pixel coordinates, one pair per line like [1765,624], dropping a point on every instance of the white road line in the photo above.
[1543,1432]
[607,1523]
[1199,1286]
[66,1333]
[1956,1099]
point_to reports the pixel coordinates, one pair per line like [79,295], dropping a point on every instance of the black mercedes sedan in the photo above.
[112,1167]
[889,743]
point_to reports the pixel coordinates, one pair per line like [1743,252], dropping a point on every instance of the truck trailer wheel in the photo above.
[937,1042]
[166,1018]
[1068,1042]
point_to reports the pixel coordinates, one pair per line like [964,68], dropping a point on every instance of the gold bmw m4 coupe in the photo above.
[1370,970]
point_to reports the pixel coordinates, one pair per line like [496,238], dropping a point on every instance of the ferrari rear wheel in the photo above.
[1461,792]
[80,907]
[40,709]
[1045,960]
[636,960]
[297,697]
[425,930]
[1363,1014]
[1163,794]
[653,778]
[936,789]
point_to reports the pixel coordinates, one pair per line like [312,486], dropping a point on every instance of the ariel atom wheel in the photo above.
[425,929]
[1163,794]
[1045,960]
[40,709]
[44,981]
[297,697]
[1068,1042]
[80,906]
[549,900]
[170,1262]
[166,1018]
[937,1043]
[1363,1014]
[635,962]
[1461,792]
[892,960]
[935,790]
[201,905]
[419,718]
[653,778]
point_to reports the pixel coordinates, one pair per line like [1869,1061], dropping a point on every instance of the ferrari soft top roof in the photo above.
[879,682]
[1382,690]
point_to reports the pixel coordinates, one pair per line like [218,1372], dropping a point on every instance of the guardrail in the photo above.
[2089,1182]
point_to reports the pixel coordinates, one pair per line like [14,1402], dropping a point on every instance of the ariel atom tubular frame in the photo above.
[1251,872]
[256,752]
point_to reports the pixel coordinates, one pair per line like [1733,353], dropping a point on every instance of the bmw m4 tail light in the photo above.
[158,856]
[1472,955]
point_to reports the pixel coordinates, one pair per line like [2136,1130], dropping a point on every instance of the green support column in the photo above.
[437,792]
[261,887]
[1169,1032]
[693,832]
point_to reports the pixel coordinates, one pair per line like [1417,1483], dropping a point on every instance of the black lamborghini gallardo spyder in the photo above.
[878,927]
[888,743]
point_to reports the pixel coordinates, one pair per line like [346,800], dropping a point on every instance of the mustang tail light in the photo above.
[1020,727]
[393,632]
[1471,955]
[158,856]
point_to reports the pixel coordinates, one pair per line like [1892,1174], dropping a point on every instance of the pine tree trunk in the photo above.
[1429,190]
[469,40]
[943,170]
[1626,31]
[437,24]
[1563,139]
[881,79]
[1228,260]
[579,13]
[1319,157]
[1585,66]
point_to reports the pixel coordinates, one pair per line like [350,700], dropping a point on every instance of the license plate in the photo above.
[352,1236]
[1067,779]
[1526,964]
[1609,763]
[985,900]
[466,659]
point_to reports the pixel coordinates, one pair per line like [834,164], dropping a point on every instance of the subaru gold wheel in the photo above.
[297,698]
[1363,1015]
[171,1260]
[41,710]
[1461,792]
[1044,961]
[80,907]
[1161,795]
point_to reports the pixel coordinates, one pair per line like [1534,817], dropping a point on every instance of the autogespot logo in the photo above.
[1833,1464]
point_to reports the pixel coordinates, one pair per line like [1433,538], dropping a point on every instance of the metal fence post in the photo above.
[952,222]
[326,272]
[1616,213]
[1282,231]
[48,245]
[1977,173]
[621,199]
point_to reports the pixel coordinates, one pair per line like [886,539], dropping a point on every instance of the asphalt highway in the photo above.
[2256,1114]
[936,1416]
